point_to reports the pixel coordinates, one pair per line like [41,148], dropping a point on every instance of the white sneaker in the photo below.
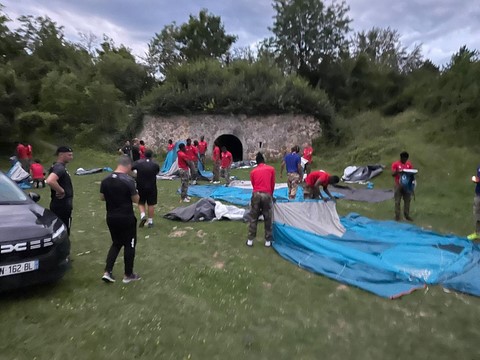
[268,243]
[187,200]
[194,182]
[216,182]
[250,243]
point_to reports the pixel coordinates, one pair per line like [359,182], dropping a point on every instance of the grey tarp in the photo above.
[82,171]
[314,216]
[207,209]
[365,195]
[357,174]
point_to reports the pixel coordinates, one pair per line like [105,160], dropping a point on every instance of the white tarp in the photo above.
[16,172]
[314,216]
[228,211]
[244,184]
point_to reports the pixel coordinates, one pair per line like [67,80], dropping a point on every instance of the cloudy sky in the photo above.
[442,26]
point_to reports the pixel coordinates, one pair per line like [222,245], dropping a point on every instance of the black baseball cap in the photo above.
[63,149]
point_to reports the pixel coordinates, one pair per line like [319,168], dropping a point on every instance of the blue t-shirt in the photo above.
[292,161]
[477,188]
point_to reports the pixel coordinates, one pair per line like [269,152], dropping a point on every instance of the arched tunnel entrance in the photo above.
[233,144]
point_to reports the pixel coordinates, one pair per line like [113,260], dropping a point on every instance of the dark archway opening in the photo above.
[233,144]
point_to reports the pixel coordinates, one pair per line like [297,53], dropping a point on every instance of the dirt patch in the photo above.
[219,265]
[342,288]
[177,234]
[267,285]
[201,234]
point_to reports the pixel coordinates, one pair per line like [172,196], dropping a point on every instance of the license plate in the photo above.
[14,269]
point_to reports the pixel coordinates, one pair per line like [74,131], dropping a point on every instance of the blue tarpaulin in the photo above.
[171,158]
[387,258]
[239,196]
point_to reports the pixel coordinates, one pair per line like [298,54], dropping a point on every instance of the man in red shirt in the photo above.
[184,164]
[142,149]
[217,158]
[37,172]
[22,156]
[400,192]
[263,182]
[202,150]
[307,155]
[171,145]
[226,162]
[192,153]
[314,180]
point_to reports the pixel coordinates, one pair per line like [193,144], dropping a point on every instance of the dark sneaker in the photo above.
[108,277]
[408,218]
[133,277]
[143,220]
[150,225]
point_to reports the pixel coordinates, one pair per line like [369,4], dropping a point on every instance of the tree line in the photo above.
[95,92]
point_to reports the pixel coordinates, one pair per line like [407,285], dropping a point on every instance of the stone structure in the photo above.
[243,135]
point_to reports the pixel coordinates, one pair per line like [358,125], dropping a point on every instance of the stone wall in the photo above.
[276,133]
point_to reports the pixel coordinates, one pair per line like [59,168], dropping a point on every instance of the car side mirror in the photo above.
[34,196]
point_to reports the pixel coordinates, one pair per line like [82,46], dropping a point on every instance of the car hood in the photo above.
[26,221]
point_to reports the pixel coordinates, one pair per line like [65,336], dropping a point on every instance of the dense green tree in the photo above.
[305,32]
[383,47]
[202,37]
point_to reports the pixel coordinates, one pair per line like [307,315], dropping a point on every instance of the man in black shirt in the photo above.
[126,149]
[119,192]
[147,171]
[136,150]
[60,183]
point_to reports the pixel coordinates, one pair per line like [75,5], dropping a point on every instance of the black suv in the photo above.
[34,245]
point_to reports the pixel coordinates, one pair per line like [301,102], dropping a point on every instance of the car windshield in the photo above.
[9,192]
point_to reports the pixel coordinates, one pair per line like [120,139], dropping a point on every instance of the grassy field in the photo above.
[205,295]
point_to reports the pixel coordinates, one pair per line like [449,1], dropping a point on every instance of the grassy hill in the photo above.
[205,295]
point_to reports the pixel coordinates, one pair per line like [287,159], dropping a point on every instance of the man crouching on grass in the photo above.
[263,182]
[119,192]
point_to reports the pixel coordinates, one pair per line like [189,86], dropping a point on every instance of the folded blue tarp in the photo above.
[240,196]
[387,258]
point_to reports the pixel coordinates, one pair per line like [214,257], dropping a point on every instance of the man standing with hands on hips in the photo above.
[60,183]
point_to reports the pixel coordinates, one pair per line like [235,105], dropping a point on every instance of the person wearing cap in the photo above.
[263,182]
[147,171]
[119,193]
[314,180]
[60,183]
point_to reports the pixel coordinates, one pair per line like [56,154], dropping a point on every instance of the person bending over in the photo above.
[314,180]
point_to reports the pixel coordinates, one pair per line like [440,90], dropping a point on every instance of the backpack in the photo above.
[408,182]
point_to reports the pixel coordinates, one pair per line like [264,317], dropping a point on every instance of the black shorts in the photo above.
[148,196]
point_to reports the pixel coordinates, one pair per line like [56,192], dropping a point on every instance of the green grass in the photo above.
[205,295]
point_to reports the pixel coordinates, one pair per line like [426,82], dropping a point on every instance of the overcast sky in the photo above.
[442,26]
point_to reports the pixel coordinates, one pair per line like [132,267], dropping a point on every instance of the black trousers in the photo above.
[124,234]
[63,209]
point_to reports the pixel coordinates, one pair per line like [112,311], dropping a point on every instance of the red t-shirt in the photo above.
[399,166]
[263,179]
[182,160]
[29,151]
[202,147]
[37,171]
[170,147]
[21,152]
[227,159]
[192,152]
[216,153]
[142,151]
[314,176]
[307,153]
